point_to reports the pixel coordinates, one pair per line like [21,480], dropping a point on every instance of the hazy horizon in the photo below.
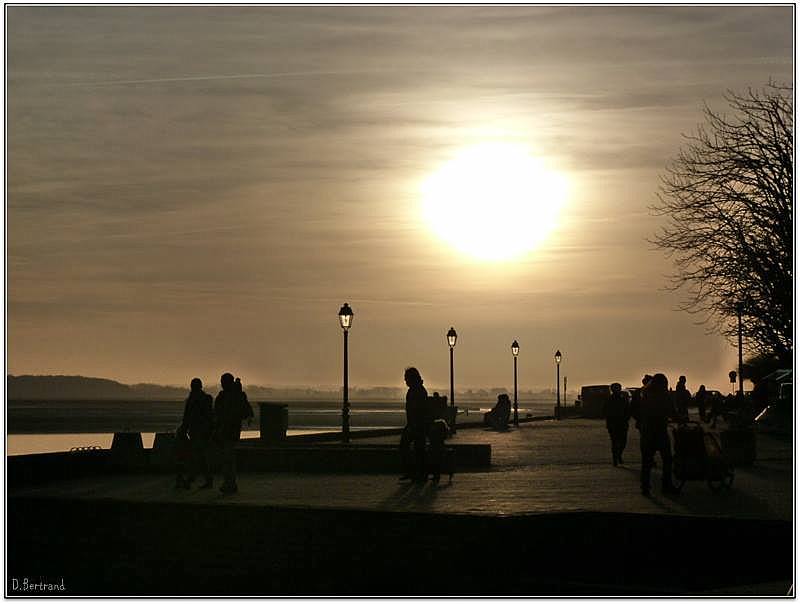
[192,190]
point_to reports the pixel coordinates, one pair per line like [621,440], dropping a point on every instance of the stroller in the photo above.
[698,456]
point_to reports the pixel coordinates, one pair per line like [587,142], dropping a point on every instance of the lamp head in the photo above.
[346,316]
[452,336]
[515,348]
[558,357]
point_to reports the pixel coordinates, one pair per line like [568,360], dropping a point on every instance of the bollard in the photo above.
[274,421]
[127,450]
[163,454]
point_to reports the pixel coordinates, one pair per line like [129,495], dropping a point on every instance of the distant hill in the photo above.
[78,387]
[54,387]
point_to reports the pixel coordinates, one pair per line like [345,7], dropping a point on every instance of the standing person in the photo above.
[414,433]
[437,430]
[716,408]
[636,402]
[248,410]
[682,398]
[616,410]
[700,401]
[197,426]
[656,410]
[230,408]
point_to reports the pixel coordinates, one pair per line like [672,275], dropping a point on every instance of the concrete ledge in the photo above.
[251,455]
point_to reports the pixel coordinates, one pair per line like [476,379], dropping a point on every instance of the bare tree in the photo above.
[728,196]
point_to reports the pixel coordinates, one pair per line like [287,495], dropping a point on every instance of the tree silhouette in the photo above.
[728,196]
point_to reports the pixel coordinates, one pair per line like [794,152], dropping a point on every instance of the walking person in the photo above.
[416,427]
[700,401]
[656,411]
[230,408]
[197,426]
[682,398]
[616,410]
[636,401]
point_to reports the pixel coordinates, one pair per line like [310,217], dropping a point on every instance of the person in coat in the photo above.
[417,420]
[656,411]
[196,426]
[616,410]
[230,408]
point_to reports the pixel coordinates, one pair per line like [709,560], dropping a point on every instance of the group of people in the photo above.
[652,407]
[426,422]
[205,428]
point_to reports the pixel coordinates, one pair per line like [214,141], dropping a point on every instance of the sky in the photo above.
[192,190]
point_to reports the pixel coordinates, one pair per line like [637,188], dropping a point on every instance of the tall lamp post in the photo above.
[739,316]
[515,352]
[452,336]
[558,384]
[346,321]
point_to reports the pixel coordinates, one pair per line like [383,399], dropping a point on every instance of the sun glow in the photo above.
[493,201]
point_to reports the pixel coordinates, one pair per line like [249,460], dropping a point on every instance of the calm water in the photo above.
[25,444]
[51,426]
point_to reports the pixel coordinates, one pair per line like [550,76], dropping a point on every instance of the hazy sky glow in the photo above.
[198,189]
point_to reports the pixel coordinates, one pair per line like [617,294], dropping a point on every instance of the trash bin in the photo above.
[739,446]
[274,421]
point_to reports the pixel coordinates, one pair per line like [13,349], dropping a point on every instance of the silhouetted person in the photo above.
[616,410]
[656,411]
[498,417]
[636,401]
[700,400]
[717,409]
[682,398]
[230,408]
[437,430]
[417,415]
[197,425]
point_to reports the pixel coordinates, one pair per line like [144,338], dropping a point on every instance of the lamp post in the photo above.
[452,336]
[739,316]
[346,321]
[558,384]
[515,352]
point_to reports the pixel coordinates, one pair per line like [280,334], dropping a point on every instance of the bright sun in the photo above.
[493,201]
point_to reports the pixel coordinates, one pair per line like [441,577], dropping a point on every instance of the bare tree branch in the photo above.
[728,199]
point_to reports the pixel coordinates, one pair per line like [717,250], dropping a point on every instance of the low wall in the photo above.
[251,455]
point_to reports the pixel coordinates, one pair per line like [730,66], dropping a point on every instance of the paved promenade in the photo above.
[540,467]
[551,517]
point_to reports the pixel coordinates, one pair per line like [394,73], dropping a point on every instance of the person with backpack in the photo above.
[230,408]
[437,429]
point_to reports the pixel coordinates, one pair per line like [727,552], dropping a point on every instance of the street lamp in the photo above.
[558,384]
[452,336]
[515,352]
[346,321]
